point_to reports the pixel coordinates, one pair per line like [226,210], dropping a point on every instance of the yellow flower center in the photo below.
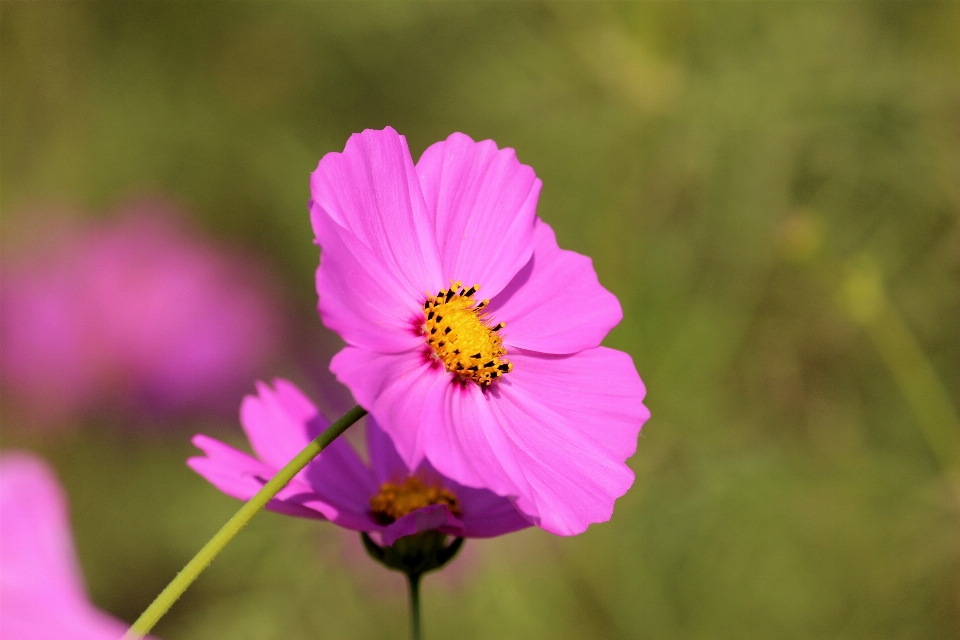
[458,332]
[397,500]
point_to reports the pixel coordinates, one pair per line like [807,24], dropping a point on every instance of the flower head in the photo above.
[386,497]
[136,312]
[472,338]
[42,596]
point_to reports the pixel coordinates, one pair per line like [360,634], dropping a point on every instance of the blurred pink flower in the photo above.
[514,393]
[42,596]
[386,497]
[134,312]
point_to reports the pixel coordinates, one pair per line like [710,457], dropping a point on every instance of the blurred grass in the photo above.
[722,163]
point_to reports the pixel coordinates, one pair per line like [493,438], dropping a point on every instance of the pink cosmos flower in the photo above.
[388,497]
[42,596]
[134,312]
[512,392]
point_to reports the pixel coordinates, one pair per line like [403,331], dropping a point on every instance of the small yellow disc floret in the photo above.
[397,500]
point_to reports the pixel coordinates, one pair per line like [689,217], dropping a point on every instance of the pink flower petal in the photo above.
[23,619]
[386,463]
[339,478]
[42,596]
[435,517]
[528,437]
[336,485]
[372,190]
[555,304]
[485,205]
[573,480]
[400,390]
[280,423]
[361,298]
[418,396]
[464,442]
[598,390]
[240,476]
[485,514]
[36,549]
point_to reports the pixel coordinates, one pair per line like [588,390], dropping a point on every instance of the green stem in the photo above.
[202,560]
[414,581]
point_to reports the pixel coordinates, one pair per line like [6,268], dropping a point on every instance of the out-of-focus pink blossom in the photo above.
[42,596]
[135,312]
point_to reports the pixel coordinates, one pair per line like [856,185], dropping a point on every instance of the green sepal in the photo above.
[414,555]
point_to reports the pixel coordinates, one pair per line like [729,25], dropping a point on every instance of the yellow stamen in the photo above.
[397,500]
[457,331]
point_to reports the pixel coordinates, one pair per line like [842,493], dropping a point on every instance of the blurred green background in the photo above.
[771,189]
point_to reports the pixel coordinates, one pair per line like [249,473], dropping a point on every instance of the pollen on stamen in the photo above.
[394,501]
[455,325]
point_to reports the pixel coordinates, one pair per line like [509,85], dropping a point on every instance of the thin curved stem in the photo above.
[216,544]
[414,581]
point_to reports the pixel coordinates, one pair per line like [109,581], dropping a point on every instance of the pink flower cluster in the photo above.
[133,312]
[472,339]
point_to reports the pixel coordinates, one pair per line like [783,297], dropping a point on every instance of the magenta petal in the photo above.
[435,517]
[41,591]
[36,547]
[385,462]
[426,412]
[485,205]
[573,480]
[361,297]
[27,619]
[279,423]
[240,476]
[372,190]
[607,402]
[555,304]
[485,514]
[464,443]
[402,391]
[339,478]
[510,440]
[336,484]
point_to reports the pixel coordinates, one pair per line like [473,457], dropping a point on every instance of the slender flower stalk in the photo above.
[414,580]
[205,556]
[415,556]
